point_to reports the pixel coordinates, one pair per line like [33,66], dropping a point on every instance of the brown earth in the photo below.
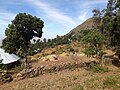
[74,79]
[67,79]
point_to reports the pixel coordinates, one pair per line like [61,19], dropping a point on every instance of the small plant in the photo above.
[110,82]
[77,87]
[97,68]
[90,51]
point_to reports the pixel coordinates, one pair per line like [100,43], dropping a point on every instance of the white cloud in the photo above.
[53,13]
[86,13]
[92,2]
[83,16]
[5,19]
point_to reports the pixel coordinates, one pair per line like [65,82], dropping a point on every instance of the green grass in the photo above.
[97,68]
[112,82]
[77,87]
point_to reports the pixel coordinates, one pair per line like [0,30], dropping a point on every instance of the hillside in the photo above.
[70,79]
[89,23]
[63,66]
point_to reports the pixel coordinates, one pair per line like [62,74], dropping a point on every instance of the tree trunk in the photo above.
[102,61]
[26,61]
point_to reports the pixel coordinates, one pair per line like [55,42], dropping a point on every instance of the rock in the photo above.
[5,77]
[52,57]
[44,59]
[82,54]
[63,54]
[49,58]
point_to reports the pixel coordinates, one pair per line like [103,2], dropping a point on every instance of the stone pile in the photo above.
[40,70]
[5,77]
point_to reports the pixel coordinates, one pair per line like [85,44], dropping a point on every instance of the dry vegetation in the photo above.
[70,79]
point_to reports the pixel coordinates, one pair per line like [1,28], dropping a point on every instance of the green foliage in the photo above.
[19,33]
[110,23]
[90,51]
[97,68]
[82,33]
[60,40]
[94,41]
[94,38]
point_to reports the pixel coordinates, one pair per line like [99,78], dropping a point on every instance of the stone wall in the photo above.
[40,70]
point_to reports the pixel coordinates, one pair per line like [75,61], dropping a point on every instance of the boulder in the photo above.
[63,54]
[49,58]
[5,77]
[52,57]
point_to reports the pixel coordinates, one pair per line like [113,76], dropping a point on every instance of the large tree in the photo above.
[110,23]
[20,32]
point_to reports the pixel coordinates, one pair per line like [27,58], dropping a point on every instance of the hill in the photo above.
[88,24]
[56,67]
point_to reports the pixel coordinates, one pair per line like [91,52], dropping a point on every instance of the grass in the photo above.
[97,68]
[77,87]
[112,82]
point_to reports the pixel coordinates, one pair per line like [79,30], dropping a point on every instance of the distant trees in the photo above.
[19,33]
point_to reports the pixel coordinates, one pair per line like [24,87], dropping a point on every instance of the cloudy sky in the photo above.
[59,16]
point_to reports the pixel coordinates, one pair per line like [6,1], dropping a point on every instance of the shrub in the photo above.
[90,51]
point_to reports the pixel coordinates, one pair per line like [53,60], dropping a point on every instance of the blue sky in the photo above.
[59,16]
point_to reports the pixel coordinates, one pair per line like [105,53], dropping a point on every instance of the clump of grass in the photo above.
[77,87]
[109,82]
[112,82]
[97,68]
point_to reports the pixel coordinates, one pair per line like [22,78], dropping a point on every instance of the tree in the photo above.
[110,24]
[19,33]
[34,40]
[94,41]
[44,40]
[96,13]
[94,38]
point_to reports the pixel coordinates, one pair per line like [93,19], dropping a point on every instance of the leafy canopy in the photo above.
[94,38]
[19,33]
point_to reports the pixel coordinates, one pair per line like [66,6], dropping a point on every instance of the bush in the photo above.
[90,51]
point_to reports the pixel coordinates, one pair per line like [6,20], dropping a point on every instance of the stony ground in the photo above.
[70,79]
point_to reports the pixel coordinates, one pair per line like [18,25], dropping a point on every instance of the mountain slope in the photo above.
[89,23]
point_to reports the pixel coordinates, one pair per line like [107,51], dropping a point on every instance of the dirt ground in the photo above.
[69,79]
[73,79]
